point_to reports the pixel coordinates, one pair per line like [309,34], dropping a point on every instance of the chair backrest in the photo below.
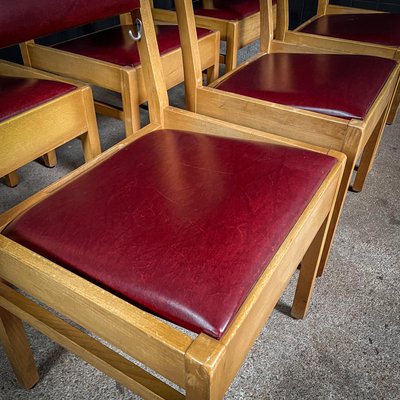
[190,48]
[282,19]
[322,7]
[266,25]
[24,20]
[282,22]
[151,64]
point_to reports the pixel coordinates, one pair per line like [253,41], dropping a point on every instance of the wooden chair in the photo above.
[347,29]
[39,112]
[108,58]
[332,100]
[238,22]
[175,214]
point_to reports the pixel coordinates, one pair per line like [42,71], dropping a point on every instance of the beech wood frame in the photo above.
[39,131]
[236,33]
[355,138]
[203,366]
[126,80]
[337,44]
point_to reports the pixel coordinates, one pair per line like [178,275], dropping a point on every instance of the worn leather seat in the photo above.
[115,46]
[339,85]
[18,95]
[179,223]
[231,9]
[381,29]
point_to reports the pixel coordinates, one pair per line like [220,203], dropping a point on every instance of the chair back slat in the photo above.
[151,62]
[190,51]
[266,25]
[24,20]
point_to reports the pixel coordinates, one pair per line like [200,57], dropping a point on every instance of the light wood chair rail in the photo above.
[355,138]
[38,131]
[202,366]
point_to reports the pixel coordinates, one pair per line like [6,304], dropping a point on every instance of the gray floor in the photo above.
[347,347]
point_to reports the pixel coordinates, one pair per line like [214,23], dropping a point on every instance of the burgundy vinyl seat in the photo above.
[231,9]
[114,45]
[179,223]
[18,95]
[339,85]
[381,29]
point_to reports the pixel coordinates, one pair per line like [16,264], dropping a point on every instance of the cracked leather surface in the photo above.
[344,86]
[178,223]
[21,94]
[372,28]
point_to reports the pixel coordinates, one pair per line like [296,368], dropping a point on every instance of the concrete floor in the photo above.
[348,347]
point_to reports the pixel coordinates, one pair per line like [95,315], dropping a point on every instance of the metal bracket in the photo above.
[138,28]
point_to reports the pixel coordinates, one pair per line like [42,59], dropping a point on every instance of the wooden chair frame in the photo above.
[236,34]
[40,130]
[203,366]
[330,43]
[355,138]
[128,81]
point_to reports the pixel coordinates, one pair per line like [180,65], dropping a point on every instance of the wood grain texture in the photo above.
[84,346]
[17,348]
[122,79]
[41,129]
[311,127]
[203,366]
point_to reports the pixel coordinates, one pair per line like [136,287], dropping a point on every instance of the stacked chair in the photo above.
[340,101]
[349,30]
[197,221]
[38,113]
[238,22]
[175,245]
[109,58]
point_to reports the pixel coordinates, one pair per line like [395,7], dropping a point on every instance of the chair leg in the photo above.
[90,139]
[394,107]
[232,47]
[50,159]
[351,149]
[213,71]
[12,179]
[17,348]
[308,273]
[130,102]
[368,155]
[205,372]
[212,74]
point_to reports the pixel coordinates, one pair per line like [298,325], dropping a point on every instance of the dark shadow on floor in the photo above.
[52,357]
[283,308]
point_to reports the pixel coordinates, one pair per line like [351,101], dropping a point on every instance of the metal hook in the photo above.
[139,28]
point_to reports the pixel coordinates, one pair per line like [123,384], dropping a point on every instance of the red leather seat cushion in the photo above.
[115,46]
[21,94]
[340,85]
[372,28]
[29,19]
[231,9]
[179,223]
